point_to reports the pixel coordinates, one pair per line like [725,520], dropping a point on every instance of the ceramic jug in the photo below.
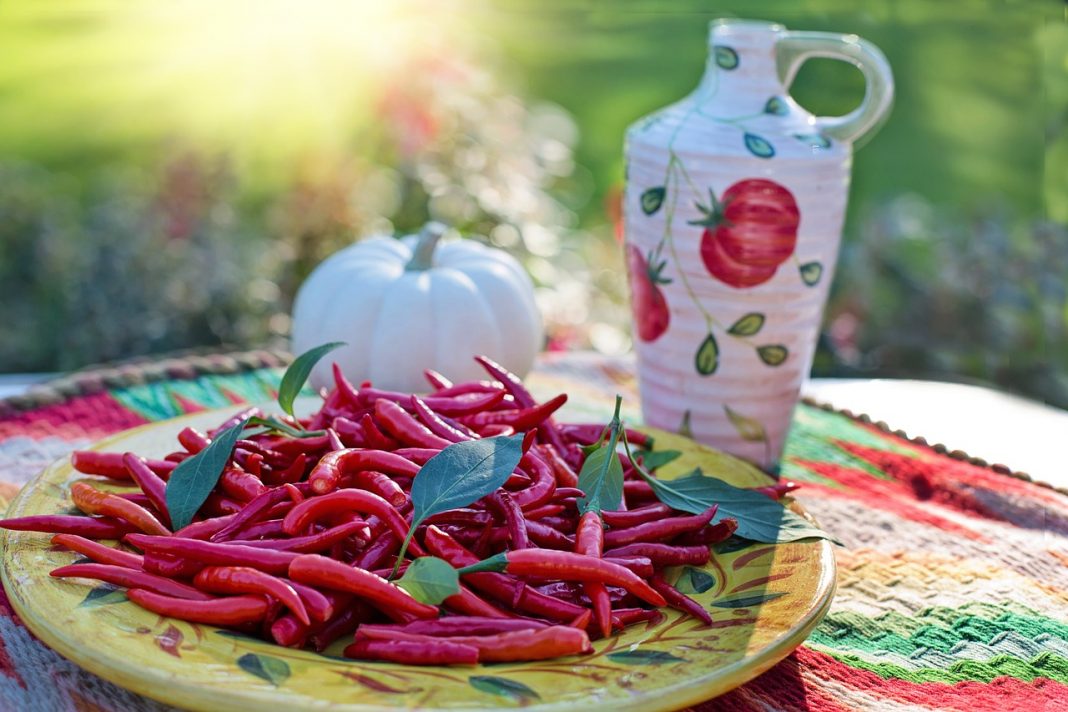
[733,213]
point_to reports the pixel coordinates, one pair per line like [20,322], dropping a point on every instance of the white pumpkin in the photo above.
[406,305]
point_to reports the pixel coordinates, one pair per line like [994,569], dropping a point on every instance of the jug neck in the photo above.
[740,73]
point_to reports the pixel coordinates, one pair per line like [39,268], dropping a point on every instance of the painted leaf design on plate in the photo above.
[652,199]
[748,601]
[706,360]
[695,580]
[103,595]
[773,354]
[759,146]
[776,106]
[750,429]
[644,657]
[726,58]
[748,325]
[373,684]
[811,272]
[503,687]
[265,667]
[169,640]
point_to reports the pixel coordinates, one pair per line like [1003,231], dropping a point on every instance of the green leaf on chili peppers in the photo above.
[298,372]
[759,517]
[601,476]
[430,580]
[460,475]
[194,478]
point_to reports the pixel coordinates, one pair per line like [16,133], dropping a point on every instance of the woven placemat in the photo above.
[953,577]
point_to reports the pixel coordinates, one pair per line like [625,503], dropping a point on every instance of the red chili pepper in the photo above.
[434,422]
[543,482]
[172,567]
[104,464]
[99,552]
[461,389]
[589,541]
[430,652]
[289,632]
[253,511]
[678,600]
[293,473]
[236,418]
[568,566]
[392,600]
[520,420]
[150,483]
[512,515]
[324,476]
[660,530]
[565,476]
[635,491]
[622,617]
[510,646]
[343,623]
[267,529]
[546,511]
[230,611]
[122,576]
[456,406]
[348,500]
[664,554]
[312,543]
[778,490]
[320,608]
[456,625]
[631,517]
[242,579]
[401,425]
[267,560]
[418,455]
[641,565]
[241,485]
[381,485]
[346,391]
[376,439]
[714,534]
[436,380]
[94,527]
[380,551]
[470,604]
[515,387]
[545,536]
[92,501]
[192,440]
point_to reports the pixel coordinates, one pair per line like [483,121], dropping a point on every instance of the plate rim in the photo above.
[153,683]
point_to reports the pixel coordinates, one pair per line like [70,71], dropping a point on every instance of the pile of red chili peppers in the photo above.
[298,538]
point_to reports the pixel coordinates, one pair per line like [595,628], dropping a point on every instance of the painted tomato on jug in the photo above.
[748,232]
[650,308]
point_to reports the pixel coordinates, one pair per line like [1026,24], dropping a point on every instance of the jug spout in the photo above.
[741,67]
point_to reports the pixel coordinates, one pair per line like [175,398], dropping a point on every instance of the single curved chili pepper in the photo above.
[778,490]
[504,589]
[641,565]
[349,500]
[242,579]
[316,570]
[430,652]
[375,437]
[219,505]
[458,426]
[294,472]
[631,517]
[289,632]
[251,512]
[435,424]
[470,604]
[192,440]
[267,560]
[589,541]
[92,501]
[162,468]
[381,485]
[346,391]
[104,464]
[457,625]
[400,424]
[229,611]
[380,551]
[680,601]
[660,530]
[343,623]
[562,493]
[452,405]
[663,554]
[636,491]
[568,566]
[333,441]
[254,465]
[239,485]
[94,527]
[512,515]
[325,475]
[522,419]
[545,511]
[461,389]
[418,455]
[130,578]
[543,482]
[267,529]
[437,381]
[564,525]
[565,476]
[349,431]
[291,447]
[99,552]
[312,543]
[177,457]
[150,483]
[172,567]
[622,617]
[496,430]
[464,516]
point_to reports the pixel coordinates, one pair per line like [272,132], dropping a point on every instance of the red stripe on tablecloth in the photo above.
[92,416]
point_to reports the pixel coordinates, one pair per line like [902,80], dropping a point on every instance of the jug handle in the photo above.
[794,48]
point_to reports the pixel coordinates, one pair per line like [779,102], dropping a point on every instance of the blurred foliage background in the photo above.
[169,172]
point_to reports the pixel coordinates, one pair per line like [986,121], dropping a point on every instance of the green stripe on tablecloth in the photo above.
[1044,665]
[157,401]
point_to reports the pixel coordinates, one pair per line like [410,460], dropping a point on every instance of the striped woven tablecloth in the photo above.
[953,577]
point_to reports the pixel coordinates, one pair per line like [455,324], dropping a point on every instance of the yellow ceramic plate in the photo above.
[764,600]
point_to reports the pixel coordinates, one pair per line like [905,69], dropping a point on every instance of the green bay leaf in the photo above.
[430,580]
[194,478]
[297,373]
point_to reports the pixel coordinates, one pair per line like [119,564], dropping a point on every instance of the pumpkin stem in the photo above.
[423,254]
